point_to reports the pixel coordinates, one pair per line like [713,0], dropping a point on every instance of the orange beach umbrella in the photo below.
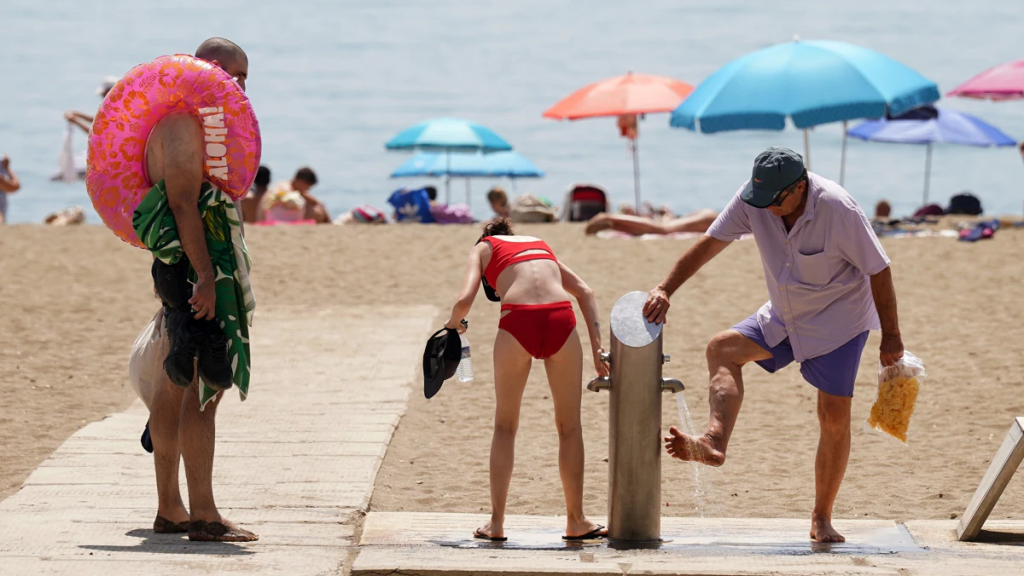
[625,97]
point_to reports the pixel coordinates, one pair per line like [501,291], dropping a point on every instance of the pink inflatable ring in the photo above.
[116,177]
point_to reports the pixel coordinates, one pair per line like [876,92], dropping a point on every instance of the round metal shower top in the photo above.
[628,323]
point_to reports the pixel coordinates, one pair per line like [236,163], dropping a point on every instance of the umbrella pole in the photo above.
[842,162]
[448,177]
[636,170]
[807,149]
[927,172]
[513,185]
[469,193]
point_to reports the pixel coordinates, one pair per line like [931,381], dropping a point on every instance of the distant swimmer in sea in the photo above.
[698,221]
[83,120]
[829,284]
[537,322]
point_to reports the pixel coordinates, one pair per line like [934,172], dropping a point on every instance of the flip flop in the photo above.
[592,535]
[480,535]
[164,526]
[199,531]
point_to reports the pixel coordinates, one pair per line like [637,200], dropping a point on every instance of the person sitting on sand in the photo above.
[537,321]
[499,202]
[251,204]
[9,184]
[826,275]
[84,121]
[292,201]
[638,225]
[178,428]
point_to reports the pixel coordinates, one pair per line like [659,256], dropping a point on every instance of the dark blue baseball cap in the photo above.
[774,170]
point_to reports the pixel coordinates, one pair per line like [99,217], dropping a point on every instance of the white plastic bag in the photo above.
[896,396]
[146,364]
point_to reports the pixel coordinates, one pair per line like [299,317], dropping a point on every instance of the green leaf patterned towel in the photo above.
[155,226]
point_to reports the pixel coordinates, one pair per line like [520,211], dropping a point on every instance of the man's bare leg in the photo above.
[830,463]
[172,516]
[197,434]
[726,353]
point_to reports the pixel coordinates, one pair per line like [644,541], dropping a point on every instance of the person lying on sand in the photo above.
[537,321]
[178,427]
[639,225]
[827,275]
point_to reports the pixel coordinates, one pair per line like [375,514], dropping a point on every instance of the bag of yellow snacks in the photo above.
[896,396]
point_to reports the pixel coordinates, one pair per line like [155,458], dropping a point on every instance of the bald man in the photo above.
[177,427]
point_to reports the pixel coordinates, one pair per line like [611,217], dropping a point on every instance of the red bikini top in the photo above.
[505,254]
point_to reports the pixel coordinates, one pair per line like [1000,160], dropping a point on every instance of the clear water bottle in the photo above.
[465,369]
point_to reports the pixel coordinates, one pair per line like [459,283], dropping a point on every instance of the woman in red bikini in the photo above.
[537,321]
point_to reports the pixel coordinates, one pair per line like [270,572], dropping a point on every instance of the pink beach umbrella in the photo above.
[1004,82]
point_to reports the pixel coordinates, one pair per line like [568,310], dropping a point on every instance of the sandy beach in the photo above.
[75,298]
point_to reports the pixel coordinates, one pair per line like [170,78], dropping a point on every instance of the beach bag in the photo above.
[451,214]
[964,203]
[896,396]
[146,363]
[528,209]
[411,206]
[583,202]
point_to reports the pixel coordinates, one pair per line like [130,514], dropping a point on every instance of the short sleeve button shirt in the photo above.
[817,273]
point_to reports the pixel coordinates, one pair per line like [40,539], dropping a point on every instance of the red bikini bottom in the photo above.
[541,329]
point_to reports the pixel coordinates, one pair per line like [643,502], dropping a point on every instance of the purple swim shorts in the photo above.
[833,373]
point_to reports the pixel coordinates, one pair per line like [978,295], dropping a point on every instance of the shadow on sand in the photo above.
[153,543]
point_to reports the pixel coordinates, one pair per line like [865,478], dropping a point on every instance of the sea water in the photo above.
[332,80]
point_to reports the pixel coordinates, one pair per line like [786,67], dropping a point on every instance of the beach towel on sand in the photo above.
[154,224]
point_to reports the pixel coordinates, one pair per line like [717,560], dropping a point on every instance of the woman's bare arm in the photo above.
[470,286]
[579,290]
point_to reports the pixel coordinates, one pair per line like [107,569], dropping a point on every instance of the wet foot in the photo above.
[490,532]
[164,526]
[222,531]
[702,449]
[584,527]
[822,531]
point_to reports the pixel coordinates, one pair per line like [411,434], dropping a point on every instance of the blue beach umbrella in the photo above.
[507,164]
[498,164]
[448,135]
[810,82]
[928,125]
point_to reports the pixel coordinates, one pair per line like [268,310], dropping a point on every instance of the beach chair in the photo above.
[583,202]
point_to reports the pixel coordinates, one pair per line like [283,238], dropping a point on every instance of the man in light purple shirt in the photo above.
[829,283]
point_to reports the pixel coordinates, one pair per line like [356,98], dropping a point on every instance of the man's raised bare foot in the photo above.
[822,531]
[490,532]
[222,531]
[702,449]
